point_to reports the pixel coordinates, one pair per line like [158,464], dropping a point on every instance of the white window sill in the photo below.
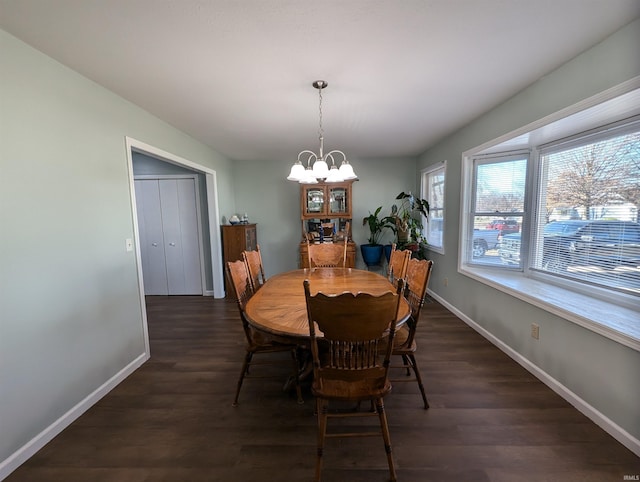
[605,318]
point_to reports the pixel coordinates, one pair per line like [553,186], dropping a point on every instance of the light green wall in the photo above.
[70,313]
[602,372]
[262,191]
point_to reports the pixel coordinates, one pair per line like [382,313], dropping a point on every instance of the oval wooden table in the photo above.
[279,307]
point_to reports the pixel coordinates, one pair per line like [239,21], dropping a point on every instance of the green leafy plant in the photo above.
[407,219]
[377,225]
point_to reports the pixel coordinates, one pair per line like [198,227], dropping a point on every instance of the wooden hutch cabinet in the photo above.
[237,238]
[326,215]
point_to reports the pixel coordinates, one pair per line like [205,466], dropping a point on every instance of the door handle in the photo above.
[155,245]
[172,244]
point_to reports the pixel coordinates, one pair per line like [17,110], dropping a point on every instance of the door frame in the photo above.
[211,182]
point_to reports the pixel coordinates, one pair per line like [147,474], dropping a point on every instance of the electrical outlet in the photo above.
[445,281]
[535,331]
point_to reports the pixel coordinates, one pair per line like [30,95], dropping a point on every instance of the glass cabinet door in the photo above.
[314,200]
[338,200]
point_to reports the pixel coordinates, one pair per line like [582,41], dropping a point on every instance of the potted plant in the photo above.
[372,251]
[407,221]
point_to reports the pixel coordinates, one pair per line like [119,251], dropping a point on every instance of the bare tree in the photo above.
[630,189]
[500,202]
[595,175]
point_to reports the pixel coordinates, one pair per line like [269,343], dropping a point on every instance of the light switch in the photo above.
[129,244]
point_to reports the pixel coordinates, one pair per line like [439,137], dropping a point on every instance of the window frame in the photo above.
[588,306]
[425,194]
[591,136]
[466,241]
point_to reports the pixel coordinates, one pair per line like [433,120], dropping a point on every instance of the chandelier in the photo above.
[318,164]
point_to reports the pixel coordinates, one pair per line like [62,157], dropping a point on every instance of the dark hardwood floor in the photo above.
[172,420]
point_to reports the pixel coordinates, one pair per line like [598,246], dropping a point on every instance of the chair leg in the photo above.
[405,362]
[296,374]
[322,408]
[245,370]
[414,366]
[387,438]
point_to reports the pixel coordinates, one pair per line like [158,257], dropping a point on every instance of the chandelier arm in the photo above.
[311,156]
[336,151]
[329,156]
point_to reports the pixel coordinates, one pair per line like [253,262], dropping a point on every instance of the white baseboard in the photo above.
[608,425]
[21,455]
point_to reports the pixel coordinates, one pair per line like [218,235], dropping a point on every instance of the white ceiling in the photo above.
[237,74]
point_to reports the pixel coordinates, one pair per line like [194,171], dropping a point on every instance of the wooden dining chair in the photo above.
[347,366]
[253,259]
[398,261]
[327,255]
[404,344]
[258,342]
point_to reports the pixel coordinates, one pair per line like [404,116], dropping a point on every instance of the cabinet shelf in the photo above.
[324,200]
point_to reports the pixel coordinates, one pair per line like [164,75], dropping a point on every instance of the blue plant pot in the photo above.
[371,254]
[387,251]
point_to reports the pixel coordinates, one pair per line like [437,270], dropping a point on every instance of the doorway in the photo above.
[170,247]
[210,240]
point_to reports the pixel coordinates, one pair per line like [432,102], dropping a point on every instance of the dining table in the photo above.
[279,306]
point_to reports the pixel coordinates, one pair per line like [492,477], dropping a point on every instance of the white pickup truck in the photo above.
[484,240]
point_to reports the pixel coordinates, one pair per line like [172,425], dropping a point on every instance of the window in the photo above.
[498,208]
[585,228]
[587,222]
[550,214]
[432,185]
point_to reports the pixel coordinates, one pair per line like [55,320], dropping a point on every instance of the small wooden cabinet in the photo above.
[237,238]
[326,208]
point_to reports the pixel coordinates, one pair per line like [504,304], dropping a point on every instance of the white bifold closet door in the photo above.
[169,236]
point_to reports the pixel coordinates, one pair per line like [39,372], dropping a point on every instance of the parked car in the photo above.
[505,226]
[509,249]
[484,240]
[582,242]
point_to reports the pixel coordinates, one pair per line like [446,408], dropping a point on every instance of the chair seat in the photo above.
[351,390]
[269,348]
[261,338]
[400,342]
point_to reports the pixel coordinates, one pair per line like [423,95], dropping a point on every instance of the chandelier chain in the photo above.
[320,131]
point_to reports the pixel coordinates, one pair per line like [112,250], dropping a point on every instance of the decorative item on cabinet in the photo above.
[237,238]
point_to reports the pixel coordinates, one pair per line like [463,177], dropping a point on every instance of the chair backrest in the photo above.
[353,326]
[253,259]
[327,255]
[398,262]
[238,275]
[417,280]
[327,229]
